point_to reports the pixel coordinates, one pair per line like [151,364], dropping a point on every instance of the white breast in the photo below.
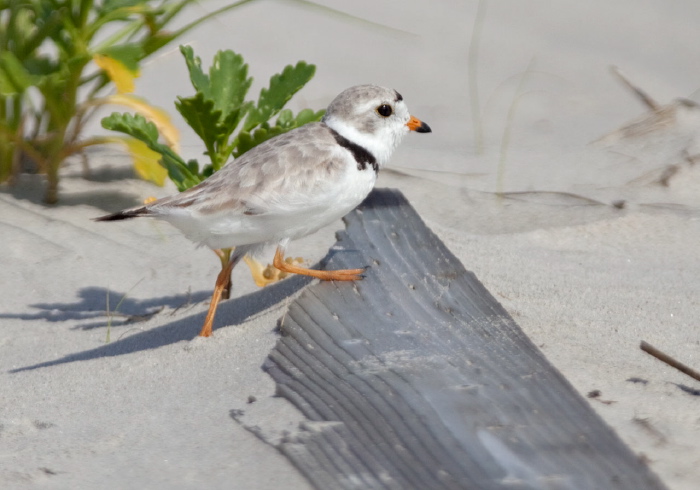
[332,201]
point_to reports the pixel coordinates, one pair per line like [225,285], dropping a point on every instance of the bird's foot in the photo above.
[337,275]
[265,275]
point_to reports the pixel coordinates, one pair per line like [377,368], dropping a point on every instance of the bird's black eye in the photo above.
[384,110]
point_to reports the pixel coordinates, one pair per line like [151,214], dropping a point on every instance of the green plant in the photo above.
[217,109]
[57,57]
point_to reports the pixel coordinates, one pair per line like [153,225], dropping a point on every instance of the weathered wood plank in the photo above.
[416,377]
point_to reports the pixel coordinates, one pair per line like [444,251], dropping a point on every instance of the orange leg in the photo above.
[339,275]
[225,256]
[223,281]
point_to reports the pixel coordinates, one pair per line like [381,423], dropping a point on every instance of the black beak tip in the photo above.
[423,128]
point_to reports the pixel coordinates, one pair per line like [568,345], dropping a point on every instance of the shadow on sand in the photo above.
[232,312]
[107,307]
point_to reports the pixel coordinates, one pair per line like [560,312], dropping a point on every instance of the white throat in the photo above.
[380,144]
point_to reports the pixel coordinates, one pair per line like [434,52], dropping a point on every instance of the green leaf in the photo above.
[286,119]
[226,85]
[134,125]
[137,126]
[193,166]
[40,65]
[307,115]
[156,41]
[111,5]
[248,140]
[128,54]
[233,118]
[219,105]
[229,81]
[203,118]
[42,25]
[207,172]
[15,75]
[205,121]
[200,81]
[7,88]
[282,87]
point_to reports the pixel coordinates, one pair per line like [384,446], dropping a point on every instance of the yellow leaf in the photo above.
[154,114]
[146,161]
[122,77]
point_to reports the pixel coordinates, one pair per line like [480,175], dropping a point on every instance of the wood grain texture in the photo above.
[417,378]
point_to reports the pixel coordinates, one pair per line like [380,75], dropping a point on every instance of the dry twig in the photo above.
[650,349]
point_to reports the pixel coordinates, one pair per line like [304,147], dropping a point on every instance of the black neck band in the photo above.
[362,156]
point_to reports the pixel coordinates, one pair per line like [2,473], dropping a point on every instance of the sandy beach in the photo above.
[585,232]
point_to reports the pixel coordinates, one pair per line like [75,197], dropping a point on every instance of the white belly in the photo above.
[291,216]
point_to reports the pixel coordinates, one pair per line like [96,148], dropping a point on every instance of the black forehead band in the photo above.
[398,96]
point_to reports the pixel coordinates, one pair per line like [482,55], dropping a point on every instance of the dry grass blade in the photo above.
[643,96]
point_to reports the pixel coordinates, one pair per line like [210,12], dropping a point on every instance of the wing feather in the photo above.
[289,167]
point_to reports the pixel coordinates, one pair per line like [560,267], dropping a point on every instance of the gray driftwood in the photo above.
[417,378]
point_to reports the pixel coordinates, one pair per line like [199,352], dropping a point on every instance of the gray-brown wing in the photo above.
[291,164]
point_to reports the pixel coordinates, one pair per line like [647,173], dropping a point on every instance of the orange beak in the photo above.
[415,124]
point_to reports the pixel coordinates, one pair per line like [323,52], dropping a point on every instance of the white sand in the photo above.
[586,282]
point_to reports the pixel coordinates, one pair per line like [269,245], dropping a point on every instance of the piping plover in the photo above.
[290,186]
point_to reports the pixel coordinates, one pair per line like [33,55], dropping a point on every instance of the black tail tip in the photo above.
[126,214]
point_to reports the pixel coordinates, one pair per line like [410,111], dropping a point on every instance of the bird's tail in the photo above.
[125,214]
